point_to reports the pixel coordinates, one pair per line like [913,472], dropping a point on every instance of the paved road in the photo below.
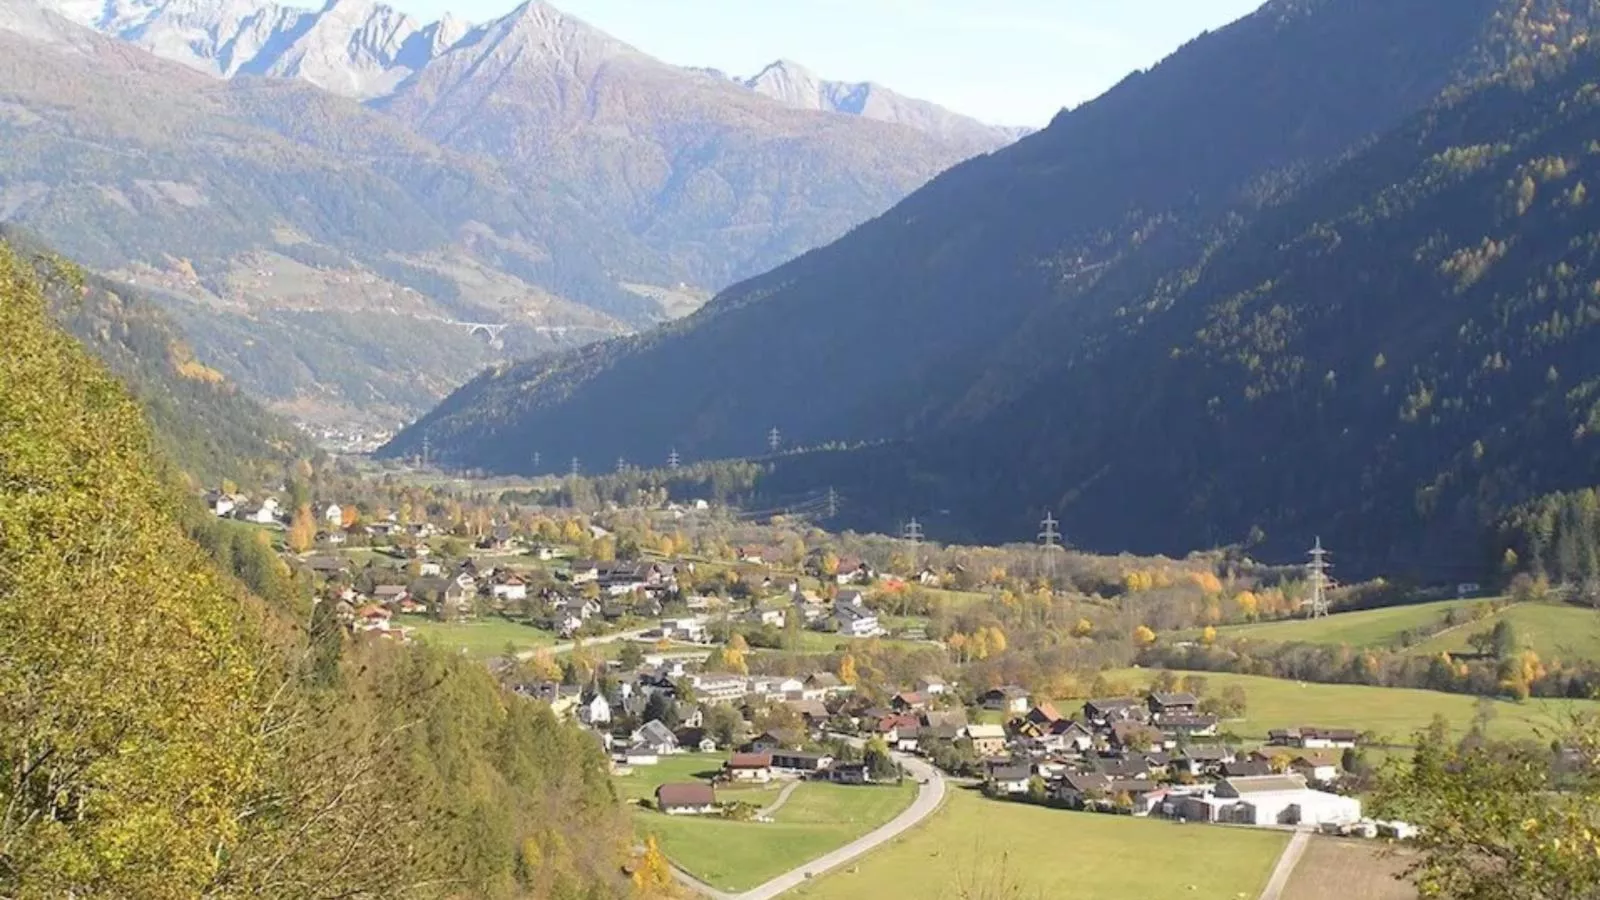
[930,794]
[1286,863]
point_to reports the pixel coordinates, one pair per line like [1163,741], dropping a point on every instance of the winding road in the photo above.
[930,794]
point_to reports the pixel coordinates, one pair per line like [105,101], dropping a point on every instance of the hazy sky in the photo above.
[1012,62]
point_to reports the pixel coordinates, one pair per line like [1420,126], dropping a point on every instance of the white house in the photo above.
[596,712]
[512,589]
[333,514]
[931,686]
[853,617]
[690,629]
[221,504]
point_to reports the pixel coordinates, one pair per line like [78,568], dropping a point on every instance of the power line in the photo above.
[1317,575]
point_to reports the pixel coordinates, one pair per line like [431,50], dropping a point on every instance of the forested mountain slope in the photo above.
[165,734]
[1034,329]
[201,421]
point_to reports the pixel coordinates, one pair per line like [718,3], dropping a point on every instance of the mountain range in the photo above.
[329,200]
[1319,272]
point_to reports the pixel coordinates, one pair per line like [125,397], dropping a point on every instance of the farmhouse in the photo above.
[1101,713]
[1311,737]
[657,737]
[800,762]
[686,799]
[1008,778]
[749,768]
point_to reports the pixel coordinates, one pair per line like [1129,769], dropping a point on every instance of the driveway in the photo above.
[1286,863]
[930,794]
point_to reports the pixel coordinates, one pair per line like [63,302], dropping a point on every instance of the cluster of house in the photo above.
[446,594]
[1151,756]
[332,528]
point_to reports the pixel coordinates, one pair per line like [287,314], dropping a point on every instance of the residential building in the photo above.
[719,688]
[1101,713]
[987,740]
[798,762]
[1313,738]
[1008,699]
[686,799]
[512,589]
[849,773]
[1169,704]
[657,737]
[333,514]
[931,686]
[1008,778]
[690,629]
[749,768]
[595,712]
[853,617]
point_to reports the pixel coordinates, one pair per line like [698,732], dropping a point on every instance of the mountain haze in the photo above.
[1049,328]
[530,171]
[793,84]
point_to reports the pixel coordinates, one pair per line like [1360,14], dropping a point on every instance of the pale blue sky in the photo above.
[1012,62]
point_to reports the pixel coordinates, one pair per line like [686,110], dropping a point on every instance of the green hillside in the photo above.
[1554,631]
[1361,227]
[1367,628]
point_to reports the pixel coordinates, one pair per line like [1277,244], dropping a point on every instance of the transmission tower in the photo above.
[1050,540]
[575,468]
[774,439]
[913,534]
[833,503]
[673,460]
[1317,575]
[536,462]
[425,447]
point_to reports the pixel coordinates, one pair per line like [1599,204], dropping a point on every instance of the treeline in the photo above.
[1556,537]
[164,733]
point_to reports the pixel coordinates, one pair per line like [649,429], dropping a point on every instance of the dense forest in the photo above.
[1317,272]
[166,732]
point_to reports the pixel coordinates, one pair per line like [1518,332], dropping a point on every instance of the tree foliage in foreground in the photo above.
[1501,822]
[163,733]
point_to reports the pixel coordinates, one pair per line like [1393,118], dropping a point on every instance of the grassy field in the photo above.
[737,856]
[482,639]
[995,849]
[1334,869]
[1393,713]
[1368,628]
[1554,631]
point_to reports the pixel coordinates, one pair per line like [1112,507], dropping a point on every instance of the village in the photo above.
[660,694]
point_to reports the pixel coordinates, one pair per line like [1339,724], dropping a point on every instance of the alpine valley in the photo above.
[1331,269]
[350,212]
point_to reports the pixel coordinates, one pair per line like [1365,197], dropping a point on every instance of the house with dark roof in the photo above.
[657,736]
[1008,698]
[1179,703]
[853,617]
[1007,778]
[800,762]
[686,799]
[1079,790]
[1101,713]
